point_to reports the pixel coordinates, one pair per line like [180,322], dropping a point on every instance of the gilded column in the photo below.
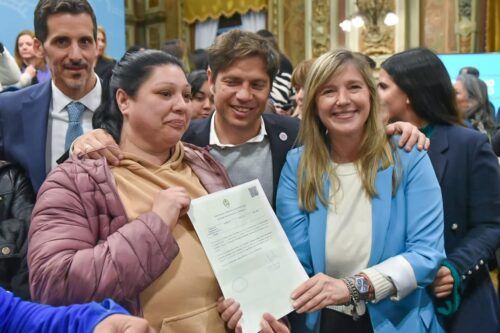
[184,31]
[286,20]
[466,25]
[274,19]
[376,38]
[320,27]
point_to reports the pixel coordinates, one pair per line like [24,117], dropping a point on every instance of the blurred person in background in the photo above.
[202,99]
[475,72]
[177,48]
[199,60]
[16,203]
[469,70]
[473,103]
[281,90]
[104,65]
[32,64]
[299,77]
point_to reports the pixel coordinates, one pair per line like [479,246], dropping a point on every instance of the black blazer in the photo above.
[469,175]
[282,133]
[16,203]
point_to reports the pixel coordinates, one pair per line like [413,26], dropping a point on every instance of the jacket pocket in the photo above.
[206,319]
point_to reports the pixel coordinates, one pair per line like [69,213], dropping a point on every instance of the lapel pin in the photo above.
[283,136]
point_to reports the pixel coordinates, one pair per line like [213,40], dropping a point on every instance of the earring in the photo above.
[407,101]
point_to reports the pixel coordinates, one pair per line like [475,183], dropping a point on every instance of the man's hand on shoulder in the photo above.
[96,144]
[410,135]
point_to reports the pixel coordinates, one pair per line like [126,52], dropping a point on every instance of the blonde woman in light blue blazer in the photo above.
[371,237]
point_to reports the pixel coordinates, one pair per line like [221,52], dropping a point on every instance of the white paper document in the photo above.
[249,252]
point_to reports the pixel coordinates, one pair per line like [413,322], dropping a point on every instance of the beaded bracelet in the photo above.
[353,296]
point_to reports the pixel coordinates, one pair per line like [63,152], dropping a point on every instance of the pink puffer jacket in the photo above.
[82,246]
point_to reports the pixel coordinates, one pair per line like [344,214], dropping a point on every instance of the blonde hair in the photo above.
[299,74]
[40,62]
[299,77]
[17,54]
[374,152]
[103,32]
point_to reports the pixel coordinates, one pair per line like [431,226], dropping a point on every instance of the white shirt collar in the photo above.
[91,101]
[214,139]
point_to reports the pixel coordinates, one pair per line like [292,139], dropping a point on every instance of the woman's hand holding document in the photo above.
[249,252]
[231,314]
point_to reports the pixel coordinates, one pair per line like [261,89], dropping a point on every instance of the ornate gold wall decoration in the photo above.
[155,23]
[466,25]
[274,19]
[286,20]
[293,27]
[493,26]
[320,32]
[184,27]
[376,37]
[173,22]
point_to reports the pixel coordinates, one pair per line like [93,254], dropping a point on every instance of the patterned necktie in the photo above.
[75,111]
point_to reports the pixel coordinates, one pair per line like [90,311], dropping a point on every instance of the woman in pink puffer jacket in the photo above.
[100,232]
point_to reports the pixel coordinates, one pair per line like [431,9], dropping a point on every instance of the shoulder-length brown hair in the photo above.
[374,152]
[40,64]
[103,32]
[17,55]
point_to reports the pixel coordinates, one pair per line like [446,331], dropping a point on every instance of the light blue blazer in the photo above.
[408,223]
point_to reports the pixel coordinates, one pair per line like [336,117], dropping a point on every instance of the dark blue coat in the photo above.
[469,175]
[19,316]
[282,133]
[23,129]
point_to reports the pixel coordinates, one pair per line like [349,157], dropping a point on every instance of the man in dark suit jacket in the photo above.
[241,70]
[281,132]
[34,121]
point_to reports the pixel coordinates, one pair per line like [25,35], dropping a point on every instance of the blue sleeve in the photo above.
[424,217]
[17,316]
[294,220]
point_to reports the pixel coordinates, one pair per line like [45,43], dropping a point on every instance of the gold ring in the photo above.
[87,148]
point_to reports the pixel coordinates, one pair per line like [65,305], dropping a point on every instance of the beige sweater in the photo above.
[183,298]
